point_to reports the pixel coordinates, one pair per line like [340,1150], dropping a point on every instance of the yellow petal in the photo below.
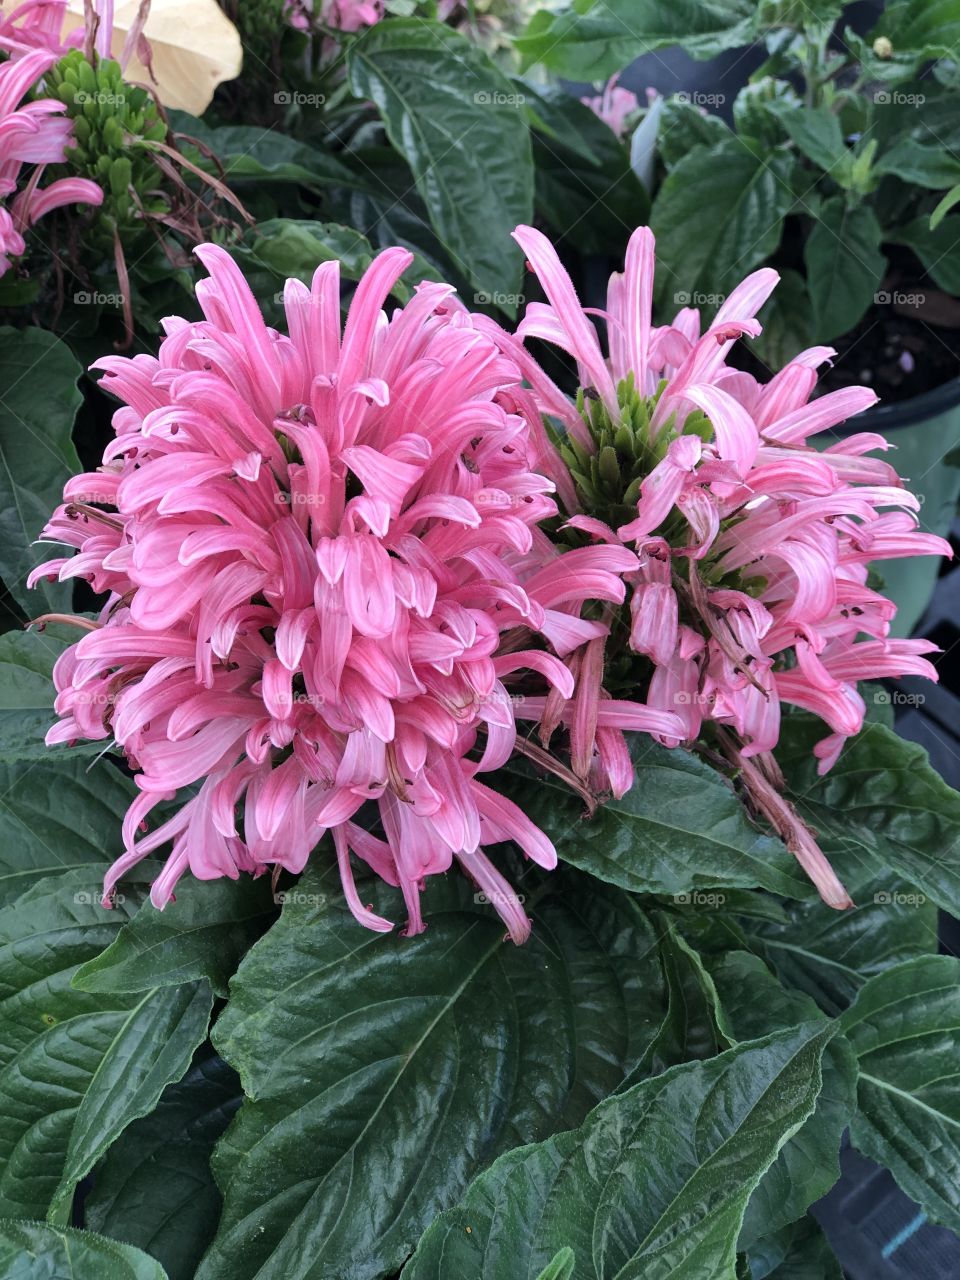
[195,47]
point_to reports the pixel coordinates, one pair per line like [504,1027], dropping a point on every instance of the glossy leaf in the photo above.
[753,1003]
[75,1069]
[717,216]
[591,41]
[924,165]
[27,693]
[817,134]
[679,828]
[383,1072]
[829,954]
[250,154]
[905,1029]
[58,815]
[936,247]
[154,1187]
[61,1253]
[591,203]
[654,1183]
[798,1252]
[459,123]
[881,811]
[39,399]
[844,266]
[202,934]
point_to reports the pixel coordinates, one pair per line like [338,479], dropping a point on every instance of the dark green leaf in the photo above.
[591,204]
[830,954]
[154,1188]
[383,1072]
[938,249]
[927,165]
[39,399]
[844,266]
[593,41]
[57,815]
[684,127]
[904,1027]
[691,1028]
[880,812]
[798,1252]
[816,133]
[27,693]
[679,828]
[753,1003]
[654,1184]
[459,123]
[787,319]
[203,934]
[75,1069]
[251,154]
[35,1251]
[717,216]
[927,29]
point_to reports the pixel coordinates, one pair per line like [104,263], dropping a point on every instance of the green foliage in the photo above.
[110,119]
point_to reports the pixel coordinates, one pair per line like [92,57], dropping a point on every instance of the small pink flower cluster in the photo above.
[615,105]
[341,15]
[750,589]
[331,594]
[34,133]
[325,576]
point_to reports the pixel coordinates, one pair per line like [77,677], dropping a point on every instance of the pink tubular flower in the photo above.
[34,24]
[325,579]
[753,546]
[342,15]
[35,133]
[614,105]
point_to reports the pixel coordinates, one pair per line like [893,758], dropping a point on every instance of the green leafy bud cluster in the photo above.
[110,117]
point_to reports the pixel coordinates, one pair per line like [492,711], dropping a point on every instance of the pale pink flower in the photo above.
[342,15]
[753,546]
[34,133]
[614,105]
[326,582]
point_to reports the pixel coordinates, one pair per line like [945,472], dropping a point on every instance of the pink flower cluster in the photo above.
[33,133]
[326,579]
[331,595]
[750,589]
[615,105]
[342,15]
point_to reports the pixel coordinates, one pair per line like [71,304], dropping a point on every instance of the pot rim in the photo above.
[906,413]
